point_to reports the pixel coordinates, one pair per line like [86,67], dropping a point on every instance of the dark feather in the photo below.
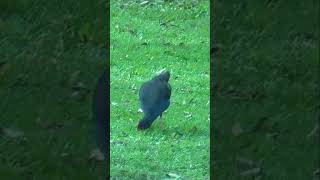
[101,112]
[154,97]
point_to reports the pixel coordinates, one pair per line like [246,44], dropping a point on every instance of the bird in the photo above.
[101,113]
[154,97]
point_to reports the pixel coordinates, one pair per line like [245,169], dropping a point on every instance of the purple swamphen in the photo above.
[154,96]
[101,113]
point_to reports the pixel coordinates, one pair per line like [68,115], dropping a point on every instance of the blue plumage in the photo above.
[101,112]
[154,97]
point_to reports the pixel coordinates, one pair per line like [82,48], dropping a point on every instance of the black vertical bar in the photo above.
[108,79]
[265,90]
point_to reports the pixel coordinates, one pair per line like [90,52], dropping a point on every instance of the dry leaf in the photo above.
[272,135]
[133,87]
[187,114]
[314,131]
[173,175]
[74,77]
[244,161]
[11,133]
[114,104]
[144,2]
[64,155]
[79,86]
[118,142]
[236,129]
[251,172]
[97,155]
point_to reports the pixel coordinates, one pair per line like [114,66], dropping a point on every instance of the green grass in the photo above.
[43,43]
[269,57]
[268,68]
[145,39]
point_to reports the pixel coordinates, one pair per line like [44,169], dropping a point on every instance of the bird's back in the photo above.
[153,94]
[101,111]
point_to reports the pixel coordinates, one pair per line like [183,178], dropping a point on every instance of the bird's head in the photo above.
[142,125]
[163,75]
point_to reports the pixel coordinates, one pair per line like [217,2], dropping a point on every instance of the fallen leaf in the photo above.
[187,114]
[74,77]
[251,172]
[144,2]
[97,155]
[314,131]
[133,87]
[79,86]
[118,142]
[236,129]
[75,94]
[11,133]
[79,91]
[272,135]
[245,161]
[64,155]
[114,104]
[173,175]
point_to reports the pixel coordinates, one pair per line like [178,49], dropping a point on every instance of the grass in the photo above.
[47,48]
[266,79]
[145,39]
[267,69]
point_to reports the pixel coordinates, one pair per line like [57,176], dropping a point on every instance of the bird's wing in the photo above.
[165,90]
[154,92]
[148,94]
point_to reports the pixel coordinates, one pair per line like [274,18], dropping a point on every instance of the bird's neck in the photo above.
[147,120]
[150,117]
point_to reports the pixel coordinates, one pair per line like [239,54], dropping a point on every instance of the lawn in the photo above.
[266,90]
[51,55]
[145,38]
